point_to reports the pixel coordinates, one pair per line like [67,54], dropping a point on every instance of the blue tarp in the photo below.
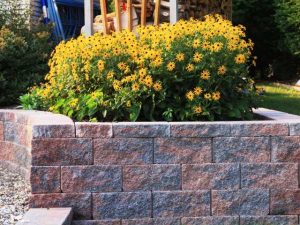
[76,3]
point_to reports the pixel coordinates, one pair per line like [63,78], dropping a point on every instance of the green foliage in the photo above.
[288,20]
[24,52]
[267,26]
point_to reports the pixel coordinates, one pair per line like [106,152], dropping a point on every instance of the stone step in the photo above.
[43,216]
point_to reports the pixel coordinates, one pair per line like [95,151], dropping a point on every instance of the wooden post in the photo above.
[104,16]
[173,11]
[118,15]
[88,17]
[144,13]
[129,10]
[157,12]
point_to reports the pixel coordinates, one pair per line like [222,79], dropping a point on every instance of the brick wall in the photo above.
[187,173]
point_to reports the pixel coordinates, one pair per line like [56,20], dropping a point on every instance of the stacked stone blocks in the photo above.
[177,173]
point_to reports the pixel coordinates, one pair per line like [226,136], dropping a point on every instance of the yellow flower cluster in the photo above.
[189,61]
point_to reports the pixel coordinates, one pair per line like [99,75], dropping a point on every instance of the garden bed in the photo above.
[158,172]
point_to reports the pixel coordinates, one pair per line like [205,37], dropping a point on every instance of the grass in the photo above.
[280,98]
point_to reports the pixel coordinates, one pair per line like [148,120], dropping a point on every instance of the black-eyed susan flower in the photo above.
[197,57]
[157,86]
[205,75]
[190,67]
[197,109]
[222,70]
[198,91]
[100,65]
[207,96]
[240,59]
[216,96]
[135,87]
[171,66]
[180,57]
[190,96]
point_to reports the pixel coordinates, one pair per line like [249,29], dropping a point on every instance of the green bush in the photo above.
[24,52]
[288,21]
[267,27]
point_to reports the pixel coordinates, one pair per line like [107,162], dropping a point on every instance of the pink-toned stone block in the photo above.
[1,131]
[210,176]
[182,150]
[45,179]
[285,202]
[120,151]
[269,175]
[286,149]
[62,151]
[93,130]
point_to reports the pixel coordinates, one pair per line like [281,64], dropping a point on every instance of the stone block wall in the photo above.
[181,173]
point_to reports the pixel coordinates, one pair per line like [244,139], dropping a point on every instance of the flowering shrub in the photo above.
[193,70]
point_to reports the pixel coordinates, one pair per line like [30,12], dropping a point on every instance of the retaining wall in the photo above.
[181,173]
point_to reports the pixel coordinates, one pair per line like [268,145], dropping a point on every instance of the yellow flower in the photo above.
[171,66]
[100,65]
[190,96]
[205,45]
[180,57]
[117,85]
[157,86]
[74,103]
[143,72]
[198,109]
[197,57]
[205,75]
[198,91]
[240,59]
[222,70]
[196,43]
[158,61]
[110,75]
[135,87]
[190,67]
[216,96]
[207,96]
[217,46]
[148,81]
[128,104]
[122,66]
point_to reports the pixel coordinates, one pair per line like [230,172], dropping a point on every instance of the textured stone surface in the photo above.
[81,203]
[269,220]
[122,205]
[286,149]
[155,221]
[123,151]
[294,129]
[152,177]
[261,128]
[53,131]
[91,178]
[285,202]
[210,220]
[57,216]
[141,129]
[1,131]
[182,150]
[16,154]
[241,149]
[199,129]
[269,175]
[59,152]
[96,222]
[181,204]
[45,179]
[93,130]
[210,176]
[240,202]
[18,133]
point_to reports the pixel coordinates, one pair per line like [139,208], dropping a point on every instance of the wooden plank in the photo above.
[157,12]
[129,10]
[118,15]
[144,13]
[104,16]
[88,17]
[173,11]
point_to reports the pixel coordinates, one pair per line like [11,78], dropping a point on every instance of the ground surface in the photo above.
[14,193]
[280,97]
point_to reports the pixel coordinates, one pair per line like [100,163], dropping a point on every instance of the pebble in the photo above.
[14,197]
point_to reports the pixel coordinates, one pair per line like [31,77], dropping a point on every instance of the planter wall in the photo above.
[158,173]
